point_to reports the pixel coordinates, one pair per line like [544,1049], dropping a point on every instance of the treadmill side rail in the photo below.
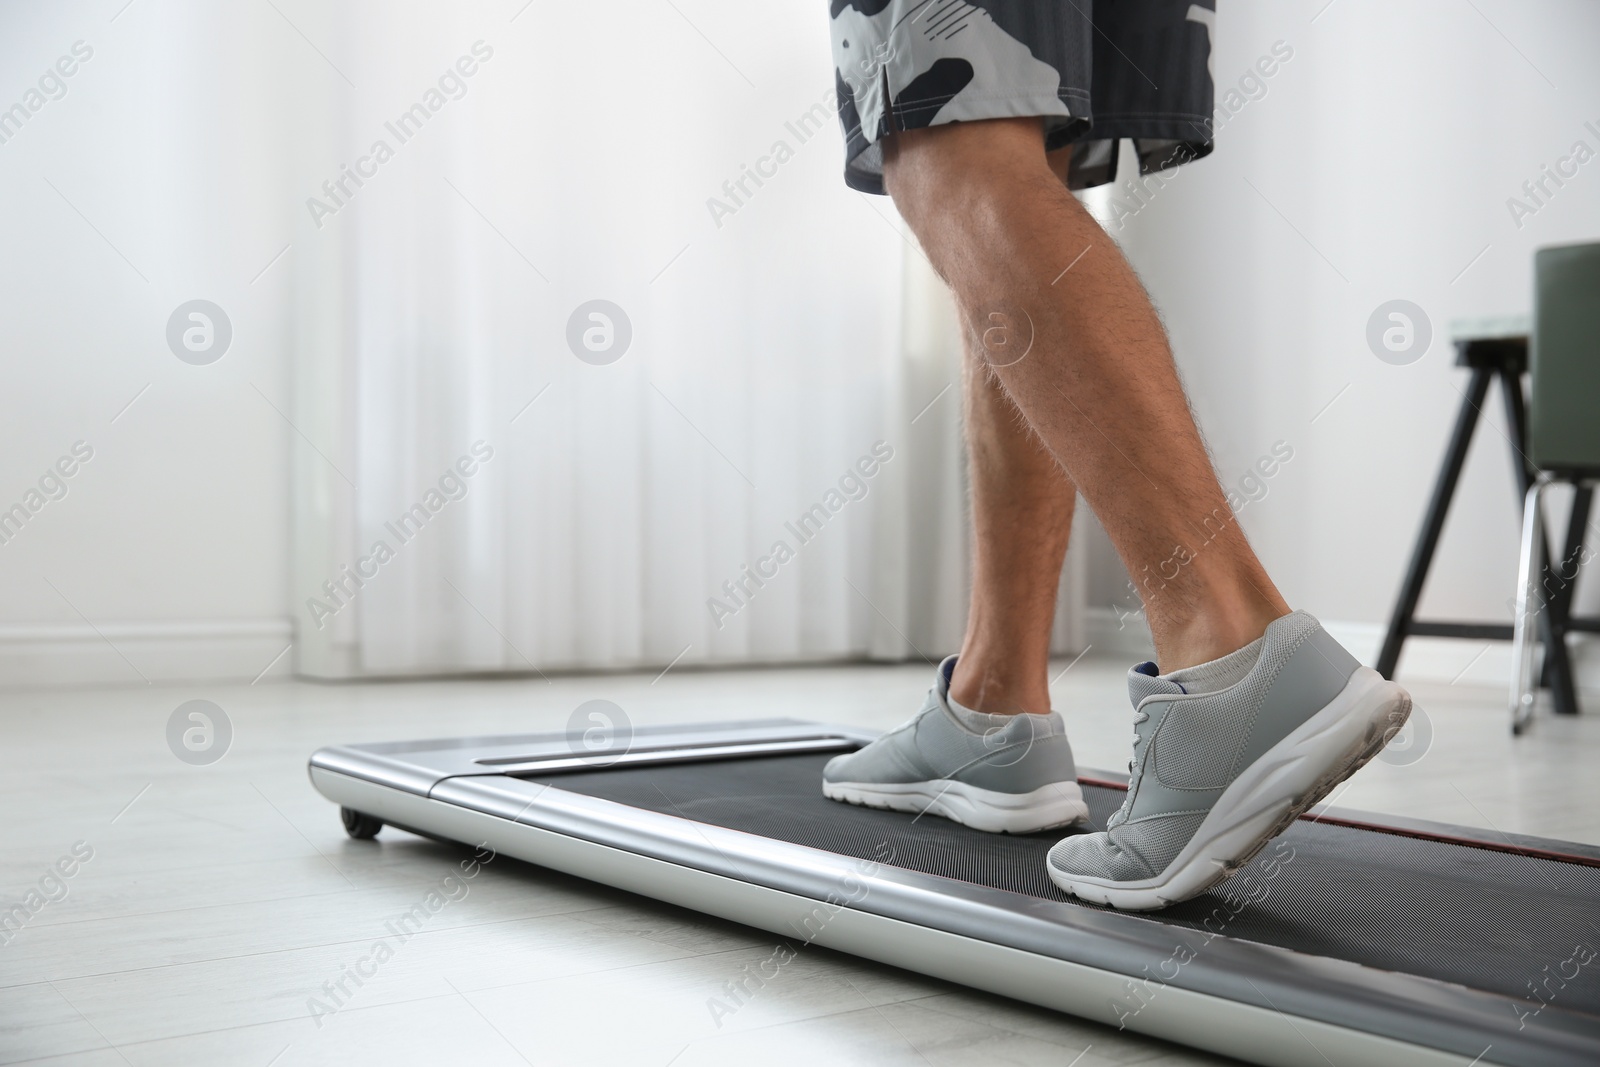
[417,766]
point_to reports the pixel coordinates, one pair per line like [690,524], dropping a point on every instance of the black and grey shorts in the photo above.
[1097,71]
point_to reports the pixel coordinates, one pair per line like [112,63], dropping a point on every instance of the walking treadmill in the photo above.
[1352,939]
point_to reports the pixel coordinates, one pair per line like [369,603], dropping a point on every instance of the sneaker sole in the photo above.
[1265,800]
[1047,808]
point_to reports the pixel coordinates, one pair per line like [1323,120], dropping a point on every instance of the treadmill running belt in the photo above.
[1438,909]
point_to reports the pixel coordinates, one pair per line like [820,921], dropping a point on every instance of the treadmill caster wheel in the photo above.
[360,825]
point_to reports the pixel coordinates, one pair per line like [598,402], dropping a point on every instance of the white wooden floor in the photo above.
[219,899]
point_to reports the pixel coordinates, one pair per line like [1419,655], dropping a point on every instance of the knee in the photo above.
[955,166]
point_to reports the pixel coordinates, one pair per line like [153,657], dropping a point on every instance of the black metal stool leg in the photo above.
[1455,454]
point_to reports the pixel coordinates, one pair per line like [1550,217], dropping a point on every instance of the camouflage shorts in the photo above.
[1096,71]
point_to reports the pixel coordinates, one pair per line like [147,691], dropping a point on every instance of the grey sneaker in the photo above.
[1218,773]
[1015,777]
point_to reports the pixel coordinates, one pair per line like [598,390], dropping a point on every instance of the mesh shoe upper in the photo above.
[1023,753]
[1191,745]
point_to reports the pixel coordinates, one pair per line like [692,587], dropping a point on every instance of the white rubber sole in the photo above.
[1268,797]
[1046,808]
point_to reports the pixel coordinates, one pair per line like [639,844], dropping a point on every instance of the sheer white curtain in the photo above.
[785,384]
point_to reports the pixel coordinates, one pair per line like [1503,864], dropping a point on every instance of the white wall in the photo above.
[1375,165]
[149,183]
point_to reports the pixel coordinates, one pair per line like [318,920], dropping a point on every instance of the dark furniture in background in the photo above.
[1554,437]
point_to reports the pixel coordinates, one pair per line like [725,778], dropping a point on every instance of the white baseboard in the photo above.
[1427,659]
[133,653]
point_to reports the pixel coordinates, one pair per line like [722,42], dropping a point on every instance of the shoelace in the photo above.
[1139,719]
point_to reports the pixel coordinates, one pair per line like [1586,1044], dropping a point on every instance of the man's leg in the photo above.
[1257,713]
[1098,385]
[1022,504]
[1015,773]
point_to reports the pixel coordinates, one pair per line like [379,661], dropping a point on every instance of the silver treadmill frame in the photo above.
[1256,1002]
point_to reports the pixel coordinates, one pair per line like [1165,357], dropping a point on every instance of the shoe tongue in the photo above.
[941,680]
[1145,680]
